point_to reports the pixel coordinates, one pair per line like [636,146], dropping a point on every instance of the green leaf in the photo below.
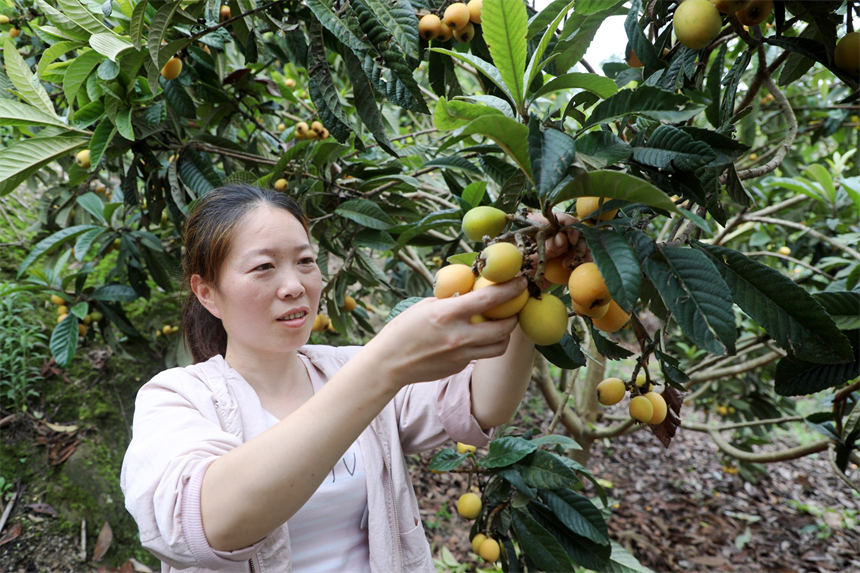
[323,91]
[670,149]
[123,123]
[647,101]
[51,242]
[842,306]
[78,72]
[795,377]
[21,159]
[13,112]
[27,84]
[601,86]
[556,440]
[578,514]
[75,11]
[621,561]
[617,263]
[489,70]
[506,451]
[693,289]
[509,134]
[158,28]
[552,153]
[365,213]
[365,102]
[102,136]
[456,113]
[51,54]
[93,204]
[398,18]
[109,45]
[565,354]
[796,321]
[137,22]
[85,241]
[544,470]
[504,24]
[324,11]
[446,460]
[541,547]
[613,185]
[535,64]
[114,292]
[64,341]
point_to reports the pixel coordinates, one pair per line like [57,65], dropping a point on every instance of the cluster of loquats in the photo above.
[322,323]
[14,30]
[469,506]
[458,22]
[167,330]
[646,405]
[698,22]
[316,130]
[542,316]
[63,313]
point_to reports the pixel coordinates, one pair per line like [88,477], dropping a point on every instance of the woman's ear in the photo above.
[205,293]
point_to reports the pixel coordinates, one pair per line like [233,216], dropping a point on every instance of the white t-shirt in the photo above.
[329,532]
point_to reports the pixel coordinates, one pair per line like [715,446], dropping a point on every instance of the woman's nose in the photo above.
[290,286]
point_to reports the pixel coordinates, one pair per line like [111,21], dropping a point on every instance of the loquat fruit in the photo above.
[501,262]
[696,23]
[587,287]
[453,279]
[611,391]
[82,158]
[660,409]
[614,319]
[544,319]
[483,221]
[172,68]
[456,15]
[475,7]
[465,34]
[755,12]
[641,409]
[506,309]
[469,505]
[280,184]
[429,26]
[489,550]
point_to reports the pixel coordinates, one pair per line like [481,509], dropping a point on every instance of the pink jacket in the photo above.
[186,417]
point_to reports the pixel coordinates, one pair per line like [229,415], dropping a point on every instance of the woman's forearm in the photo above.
[499,383]
[257,486]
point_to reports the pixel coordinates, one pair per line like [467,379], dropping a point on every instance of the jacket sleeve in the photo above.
[176,434]
[431,413]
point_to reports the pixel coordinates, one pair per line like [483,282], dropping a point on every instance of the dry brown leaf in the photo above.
[103,542]
[12,533]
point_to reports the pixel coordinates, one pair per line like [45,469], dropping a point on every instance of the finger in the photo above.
[478,301]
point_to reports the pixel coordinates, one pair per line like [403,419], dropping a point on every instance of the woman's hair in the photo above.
[207,237]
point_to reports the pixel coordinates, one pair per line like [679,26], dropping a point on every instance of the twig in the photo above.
[8,510]
[415,264]
[752,457]
[786,144]
[753,364]
[794,260]
[838,471]
[562,403]
[83,554]
[801,227]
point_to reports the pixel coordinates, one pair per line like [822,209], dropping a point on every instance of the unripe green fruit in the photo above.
[483,221]
[641,409]
[696,23]
[502,262]
[469,505]
[611,391]
[658,403]
[544,319]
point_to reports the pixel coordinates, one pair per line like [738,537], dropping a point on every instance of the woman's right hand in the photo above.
[435,338]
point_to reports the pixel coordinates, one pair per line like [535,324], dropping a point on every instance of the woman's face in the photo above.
[269,285]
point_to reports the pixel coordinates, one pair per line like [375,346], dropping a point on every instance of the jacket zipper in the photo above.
[251,565]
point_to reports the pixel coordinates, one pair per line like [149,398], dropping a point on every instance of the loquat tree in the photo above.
[708,190]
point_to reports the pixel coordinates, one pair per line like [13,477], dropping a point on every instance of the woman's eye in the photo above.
[263,267]
[308,261]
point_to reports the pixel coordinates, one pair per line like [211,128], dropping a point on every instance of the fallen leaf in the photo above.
[103,542]
[12,533]
[43,508]
[62,428]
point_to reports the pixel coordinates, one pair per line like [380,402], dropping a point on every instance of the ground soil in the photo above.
[675,510]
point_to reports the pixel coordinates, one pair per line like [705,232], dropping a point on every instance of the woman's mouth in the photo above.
[293,316]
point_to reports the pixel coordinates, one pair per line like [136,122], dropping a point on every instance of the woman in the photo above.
[268,454]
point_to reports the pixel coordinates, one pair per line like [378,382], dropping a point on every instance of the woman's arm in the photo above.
[498,384]
[258,485]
